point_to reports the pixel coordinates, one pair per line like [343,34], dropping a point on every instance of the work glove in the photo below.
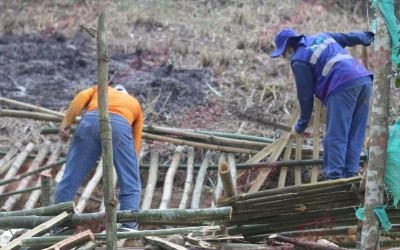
[64,132]
[294,132]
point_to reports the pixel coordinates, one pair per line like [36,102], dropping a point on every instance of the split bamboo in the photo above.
[284,169]
[226,179]
[189,179]
[169,178]
[34,197]
[73,241]
[316,136]
[17,164]
[90,187]
[149,217]
[200,180]
[10,154]
[151,180]
[31,180]
[105,132]
[43,211]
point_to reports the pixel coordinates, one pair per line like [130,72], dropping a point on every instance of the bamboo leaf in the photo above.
[397,83]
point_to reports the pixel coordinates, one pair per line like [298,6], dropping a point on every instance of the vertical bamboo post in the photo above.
[151,180]
[47,190]
[297,169]
[200,180]
[374,190]
[189,179]
[110,200]
[317,119]
[232,165]
[226,178]
[284,169]
[217,193]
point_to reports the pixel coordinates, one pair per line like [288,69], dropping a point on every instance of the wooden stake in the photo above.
[151,180]
[189,179]
[169,178]
[200,180]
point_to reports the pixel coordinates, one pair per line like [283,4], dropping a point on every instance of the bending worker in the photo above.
[322,67]
[126,120]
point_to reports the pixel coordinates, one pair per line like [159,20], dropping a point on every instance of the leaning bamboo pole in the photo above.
[149,217]
[226,179]
[7,165]
[169,178]
[17,164]
[102,207]
[34,197]
[151,180]
[43,211]
[92,184]
[29,115]
[316,136]
[32,107]
[284,169]
[10,154]
[189,179]
[31,180]
[218,189]
[21,191]
[200,180]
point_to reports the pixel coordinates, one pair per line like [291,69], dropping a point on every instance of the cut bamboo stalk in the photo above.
[149,217]
[90,187]
[17,164]
[303,244]
[7,165]
[31,180]
[226,179]
[163,243]
[169,178]
[232,164]
[47,190]
[19,191]
[189,179]
[218,188]
[151,180]
[34,197]
[32,107]
[297,170]
[26,174]
[73,241]
[284,169]
[43,211]
[46,240]
[274,156]
[200,180]
[39,230]
[106,132]
[316,135]
[198,144]
[10,154]
[290,189]
[29,115]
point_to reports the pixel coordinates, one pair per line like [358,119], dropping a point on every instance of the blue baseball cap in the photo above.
[281,40]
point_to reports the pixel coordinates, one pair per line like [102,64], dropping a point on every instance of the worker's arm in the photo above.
[305,93]
[137,131]
[353,38]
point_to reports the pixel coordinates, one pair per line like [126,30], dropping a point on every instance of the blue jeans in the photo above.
[85,150]
[346,121]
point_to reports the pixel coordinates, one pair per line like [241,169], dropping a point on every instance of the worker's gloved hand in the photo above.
[64,133]
[370,37]
[294,132]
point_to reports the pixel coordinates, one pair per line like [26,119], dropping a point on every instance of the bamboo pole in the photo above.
[17,164]
[226,179]
[284,169]
[163,243]
[151,180]
[38,170]
[169,178]
[316,135]
[232,164]
[189,179]
[149,217]
[29,115]
[73,241]
[31,180]
[274,156]
[198,144]
[218,188]
[374,190]
[200,180]
[46,190]
[105,132]
[43,211]
[10,154]
[21,191]
[32,107]
[303,244]
[7,165]
[34,197]
[39,230]
[297,169]
[102,207]
[90,245]
[347,230]
[90,187]
[46,240]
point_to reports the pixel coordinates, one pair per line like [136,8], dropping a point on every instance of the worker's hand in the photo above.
[64,133]
[294,132]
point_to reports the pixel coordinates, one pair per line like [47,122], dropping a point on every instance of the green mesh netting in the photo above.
[392,174]
[387,9]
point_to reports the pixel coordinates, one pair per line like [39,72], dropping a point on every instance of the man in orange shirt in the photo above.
[126,120]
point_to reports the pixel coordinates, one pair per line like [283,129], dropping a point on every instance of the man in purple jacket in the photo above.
[322,67]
